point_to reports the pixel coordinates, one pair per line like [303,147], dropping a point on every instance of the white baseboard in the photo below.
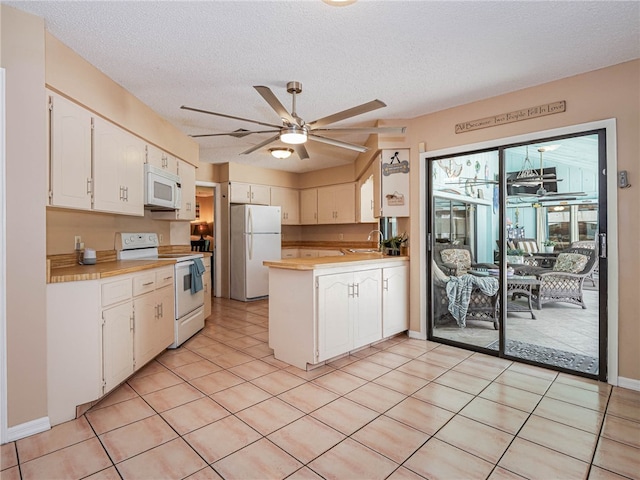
[417,335]
[29,428]
[629,383]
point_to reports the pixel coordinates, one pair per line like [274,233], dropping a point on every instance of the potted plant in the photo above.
[392,245]
[515,256]
[548,246]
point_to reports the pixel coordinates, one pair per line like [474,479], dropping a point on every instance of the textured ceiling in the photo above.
[416,56]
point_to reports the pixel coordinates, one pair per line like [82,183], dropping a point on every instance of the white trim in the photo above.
[29,428]
[3,266]
[612,218]
[218,234]
[417,335]
[630,383]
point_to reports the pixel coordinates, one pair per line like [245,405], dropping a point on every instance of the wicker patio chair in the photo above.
[456,259]
[564,283]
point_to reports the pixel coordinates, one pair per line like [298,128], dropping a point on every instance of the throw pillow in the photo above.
[459,257]
[570,263]
[528,246]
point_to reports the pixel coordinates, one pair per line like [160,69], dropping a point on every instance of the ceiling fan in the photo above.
[528,176]
[295,131]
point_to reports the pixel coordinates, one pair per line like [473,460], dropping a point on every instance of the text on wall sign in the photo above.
[516,116]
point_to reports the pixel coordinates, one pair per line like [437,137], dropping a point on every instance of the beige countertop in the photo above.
[334,261]
[103,270]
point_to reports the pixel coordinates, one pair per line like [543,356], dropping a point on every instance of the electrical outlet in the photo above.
[76,241]
[160,237]
[340,236]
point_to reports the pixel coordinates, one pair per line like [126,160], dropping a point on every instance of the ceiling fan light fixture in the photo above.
[280,152]
[293,135]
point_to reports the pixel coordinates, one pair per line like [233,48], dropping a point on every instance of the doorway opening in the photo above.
[515,259]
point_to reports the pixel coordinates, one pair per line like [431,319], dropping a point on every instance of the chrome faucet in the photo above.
[380,238]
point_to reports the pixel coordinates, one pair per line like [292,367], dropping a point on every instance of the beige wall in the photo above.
[74,77]
[22,55]
[607,93]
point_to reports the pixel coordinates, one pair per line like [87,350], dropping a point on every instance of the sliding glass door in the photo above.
[514,252]
[465,224]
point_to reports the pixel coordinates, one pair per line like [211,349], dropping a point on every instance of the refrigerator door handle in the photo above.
[250,235]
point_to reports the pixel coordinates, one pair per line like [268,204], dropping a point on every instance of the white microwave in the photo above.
[161,189]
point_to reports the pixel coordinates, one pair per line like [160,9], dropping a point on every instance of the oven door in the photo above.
[186,301]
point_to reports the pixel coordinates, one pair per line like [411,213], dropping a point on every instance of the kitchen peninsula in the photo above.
[322,308]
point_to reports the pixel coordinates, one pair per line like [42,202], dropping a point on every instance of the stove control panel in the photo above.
[132,241]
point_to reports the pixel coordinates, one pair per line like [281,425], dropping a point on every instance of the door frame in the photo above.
[217,232]
[609,125]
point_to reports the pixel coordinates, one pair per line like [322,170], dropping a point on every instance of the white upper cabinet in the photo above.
[70,180]
[249,193]
[187,174]
[366,201]
[289,201]
[118,159]
[161,159]
[337,204]
[309,206]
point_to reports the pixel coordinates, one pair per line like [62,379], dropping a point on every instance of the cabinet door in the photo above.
[309,206]
[367,311]
[326,205]
[260,194]
[165,328]
[161,159]
[146,313]
[366,201]
[345,203]
[117,345]
[187,174]
[70,154]
[207,285]
[118,170]
[395,300]
[239,192]
[289,201]
[335,336]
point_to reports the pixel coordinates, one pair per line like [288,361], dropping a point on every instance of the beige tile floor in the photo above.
[222,406]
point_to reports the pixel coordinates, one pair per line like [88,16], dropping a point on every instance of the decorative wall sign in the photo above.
[395,182]
[517,116]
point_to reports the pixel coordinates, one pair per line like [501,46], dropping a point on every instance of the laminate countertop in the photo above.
[333,261]
[76,273]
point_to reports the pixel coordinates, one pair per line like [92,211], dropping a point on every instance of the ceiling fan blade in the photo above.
[301,150]
[338,143]
[274,103]
[233,134]
[370,130]
[260,145]
[183,107]
[351,112]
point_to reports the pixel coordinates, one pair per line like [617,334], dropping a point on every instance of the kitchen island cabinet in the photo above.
[324,307]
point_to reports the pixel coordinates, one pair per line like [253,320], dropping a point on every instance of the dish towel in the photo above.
[196,269]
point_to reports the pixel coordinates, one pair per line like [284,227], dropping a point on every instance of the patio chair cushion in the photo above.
[459,257]
[528,246]
[570,263]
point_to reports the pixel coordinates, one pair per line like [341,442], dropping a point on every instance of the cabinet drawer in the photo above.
[164,277]
[144,283]
[117,291]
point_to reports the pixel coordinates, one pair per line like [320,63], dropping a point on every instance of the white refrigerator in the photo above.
[255,237]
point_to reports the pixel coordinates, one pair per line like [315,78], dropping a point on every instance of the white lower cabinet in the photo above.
[117,345]
[99,332]
[349,312]
[337,308]
[395,300]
